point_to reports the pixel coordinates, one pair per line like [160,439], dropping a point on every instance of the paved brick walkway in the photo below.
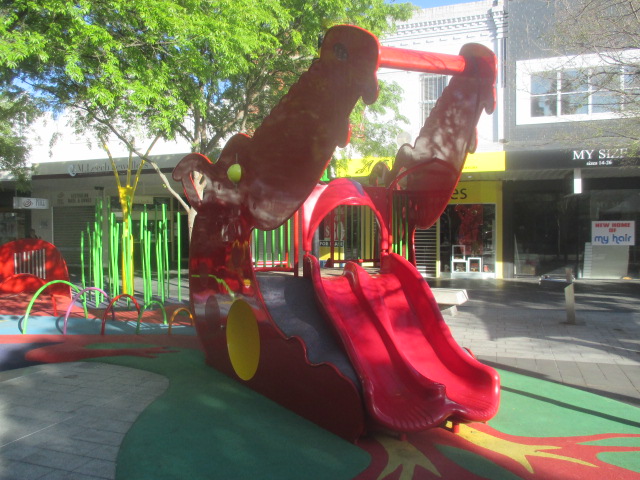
[521,326]
[67,420]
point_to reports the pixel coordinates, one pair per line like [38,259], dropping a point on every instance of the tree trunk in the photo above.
[191,217]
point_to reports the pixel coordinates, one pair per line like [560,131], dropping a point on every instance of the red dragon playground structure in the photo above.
[359,351]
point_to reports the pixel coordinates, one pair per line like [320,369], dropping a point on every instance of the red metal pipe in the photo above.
[428,62]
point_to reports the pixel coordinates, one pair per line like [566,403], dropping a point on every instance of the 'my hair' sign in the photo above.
[613,233]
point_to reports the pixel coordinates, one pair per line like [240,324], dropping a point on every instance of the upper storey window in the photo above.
[432,87]
[561,89]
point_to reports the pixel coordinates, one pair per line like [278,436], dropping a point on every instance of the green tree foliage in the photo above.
[199,70]
[17,112]
[196,69]
[375,129]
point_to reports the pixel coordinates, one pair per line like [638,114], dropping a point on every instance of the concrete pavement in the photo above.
[521,326]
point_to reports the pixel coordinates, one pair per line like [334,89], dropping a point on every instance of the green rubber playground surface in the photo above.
[207,426]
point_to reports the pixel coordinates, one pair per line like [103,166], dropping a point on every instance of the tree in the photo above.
[199,70]
[17,112]
[375,129]
[610,30]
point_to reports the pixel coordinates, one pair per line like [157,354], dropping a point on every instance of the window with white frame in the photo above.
[561,89]
[432,87]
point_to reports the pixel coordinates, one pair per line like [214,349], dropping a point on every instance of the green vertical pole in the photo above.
[112,272]
[84,282]
[90,250]
[143,260]
[127,254]
[82,278]
[364,239]
[166,229]
[396,216]
[124,257]
[146,240]
[395,224]
[99,250]
[179,256]
[287,241]
[400,225]
[371,238]
[147,255]
[101,239]
[292,241]
[116,255]
[281,239]
[352,222]
[407,236]
[96,271]
[155,234]
[159,243]
[143,252]
[159,272]
[271,246]
[130,256]
[110,247]
[254,248]
[147,249]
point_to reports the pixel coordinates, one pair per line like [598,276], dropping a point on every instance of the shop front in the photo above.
[74,190]
[469,231]
[585,217]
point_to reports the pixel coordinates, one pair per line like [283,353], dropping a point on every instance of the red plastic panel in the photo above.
[430,169]
[471,385]
[35,257]
[414,375]
[428,62]
[342,191]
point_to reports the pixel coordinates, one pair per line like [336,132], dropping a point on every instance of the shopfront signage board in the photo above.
[616,232]
[30,203]
[569,159]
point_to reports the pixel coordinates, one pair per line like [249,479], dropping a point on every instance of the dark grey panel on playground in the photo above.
[292,305]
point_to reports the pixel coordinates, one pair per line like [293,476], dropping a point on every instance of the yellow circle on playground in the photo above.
[243,339]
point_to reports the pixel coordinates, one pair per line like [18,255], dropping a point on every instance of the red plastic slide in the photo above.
[414,374]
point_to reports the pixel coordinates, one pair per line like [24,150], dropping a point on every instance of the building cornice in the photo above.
[463,19]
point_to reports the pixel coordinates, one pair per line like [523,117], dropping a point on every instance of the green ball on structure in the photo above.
[234,172]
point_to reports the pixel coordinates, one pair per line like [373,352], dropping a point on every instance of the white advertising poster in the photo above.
[613,233]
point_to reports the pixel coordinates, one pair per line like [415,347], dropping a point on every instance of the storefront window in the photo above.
[467,239]
[553,232]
